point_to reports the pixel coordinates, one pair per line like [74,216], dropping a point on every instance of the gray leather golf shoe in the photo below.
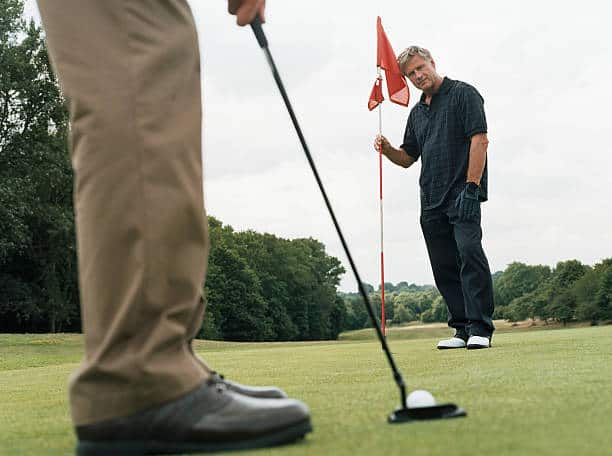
[209,419]
[268,392]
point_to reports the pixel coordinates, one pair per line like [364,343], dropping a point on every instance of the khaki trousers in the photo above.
[131,73]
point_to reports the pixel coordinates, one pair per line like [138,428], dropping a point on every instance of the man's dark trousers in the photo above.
[461,270]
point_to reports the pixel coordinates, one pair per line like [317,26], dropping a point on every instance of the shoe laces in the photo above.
[218,382]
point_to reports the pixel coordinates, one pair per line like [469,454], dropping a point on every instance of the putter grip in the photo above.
[258,31]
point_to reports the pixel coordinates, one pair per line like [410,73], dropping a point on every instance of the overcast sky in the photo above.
[543,68]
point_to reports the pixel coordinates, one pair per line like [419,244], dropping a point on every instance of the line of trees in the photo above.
[261,287]
[404,303]
[571,291]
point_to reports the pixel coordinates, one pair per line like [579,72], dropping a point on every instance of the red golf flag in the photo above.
[396,84]
[376,97]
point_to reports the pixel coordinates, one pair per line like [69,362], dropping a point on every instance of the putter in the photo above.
[403,414]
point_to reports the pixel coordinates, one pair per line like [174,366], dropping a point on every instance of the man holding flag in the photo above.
[448,130]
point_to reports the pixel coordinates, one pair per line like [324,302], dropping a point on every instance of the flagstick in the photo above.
[382,257]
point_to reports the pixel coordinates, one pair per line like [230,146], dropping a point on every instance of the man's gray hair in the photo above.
[410,52]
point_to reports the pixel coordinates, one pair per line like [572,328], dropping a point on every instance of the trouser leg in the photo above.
[130,71]
[444,258]
[475,275]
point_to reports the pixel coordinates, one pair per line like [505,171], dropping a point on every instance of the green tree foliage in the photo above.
[530,305]
[592,293]
[338,318]
[572,291]
[568,292]
[376,301]
[562,307]
[38,285]
[403,314]
[368,288]
[566,273]
[389,287]
[517,280]
[585,290]
[356,314]
[405,304]
[261,287]
[561,301]
[402,286]
[436,313]
[603,297]
[235,300]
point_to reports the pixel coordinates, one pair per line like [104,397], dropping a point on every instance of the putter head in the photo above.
[435,412]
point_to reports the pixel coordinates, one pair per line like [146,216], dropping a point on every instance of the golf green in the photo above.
[545,392]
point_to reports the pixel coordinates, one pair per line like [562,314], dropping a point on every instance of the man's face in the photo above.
[421,72]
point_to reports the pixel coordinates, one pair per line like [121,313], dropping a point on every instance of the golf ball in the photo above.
[420,398]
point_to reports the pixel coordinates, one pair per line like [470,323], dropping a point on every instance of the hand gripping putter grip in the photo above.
[403,414]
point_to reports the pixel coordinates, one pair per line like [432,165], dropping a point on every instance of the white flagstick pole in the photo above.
[382,257]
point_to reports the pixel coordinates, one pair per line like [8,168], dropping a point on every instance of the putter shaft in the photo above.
[263,43]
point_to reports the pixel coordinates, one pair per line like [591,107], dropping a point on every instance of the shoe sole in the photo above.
[449,348]
[143,447]
[477,347]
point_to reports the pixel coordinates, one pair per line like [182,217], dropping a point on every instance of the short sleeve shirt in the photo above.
[440,135]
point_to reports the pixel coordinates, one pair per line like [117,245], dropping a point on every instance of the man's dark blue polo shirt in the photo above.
[440,134]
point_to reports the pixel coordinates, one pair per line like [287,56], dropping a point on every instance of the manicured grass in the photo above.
[535,393]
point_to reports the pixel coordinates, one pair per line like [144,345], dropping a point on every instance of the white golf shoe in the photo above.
[475,342]
[453,342]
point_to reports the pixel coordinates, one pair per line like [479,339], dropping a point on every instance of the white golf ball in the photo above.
[420,398]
